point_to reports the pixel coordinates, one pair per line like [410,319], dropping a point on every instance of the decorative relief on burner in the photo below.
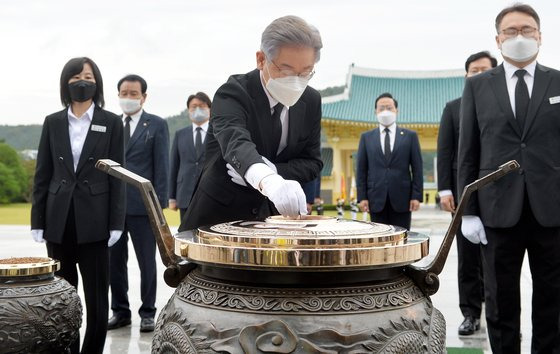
[206,293]
[176,334]
[39,319]
[22,290]
[410,336]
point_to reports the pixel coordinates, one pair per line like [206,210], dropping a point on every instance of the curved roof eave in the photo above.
[405,74]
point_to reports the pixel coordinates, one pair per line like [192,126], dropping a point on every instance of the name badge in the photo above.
[102,128]
[554,100]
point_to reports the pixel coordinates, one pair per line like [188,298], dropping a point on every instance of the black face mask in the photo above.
[82,90]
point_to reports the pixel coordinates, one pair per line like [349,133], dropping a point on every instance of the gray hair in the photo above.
[290,31]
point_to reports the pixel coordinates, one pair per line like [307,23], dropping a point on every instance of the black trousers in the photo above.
[502,261]
[469,276]
[93,260]
[182,212]
[391,217]
[144,244]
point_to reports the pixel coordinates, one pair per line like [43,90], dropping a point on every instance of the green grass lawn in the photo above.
[19,214]
[15,214]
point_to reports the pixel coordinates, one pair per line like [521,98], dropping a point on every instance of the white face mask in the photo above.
[386,118]
[286,90]
[129,105]
[520,48]
[199,115]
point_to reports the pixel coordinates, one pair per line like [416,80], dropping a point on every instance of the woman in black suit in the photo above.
[77,209]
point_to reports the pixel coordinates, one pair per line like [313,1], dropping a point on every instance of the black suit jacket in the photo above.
[447,146]
[147,155]
[98,198]
[377,178]
[490,136]
[239,134]
[186,167]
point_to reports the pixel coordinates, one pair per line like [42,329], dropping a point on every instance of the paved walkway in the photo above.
[15,241]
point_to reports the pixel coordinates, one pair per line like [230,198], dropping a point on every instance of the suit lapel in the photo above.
[143,124]
[376,141]
[62,140]
[498,83]
[92,137]
[540,85]
[264,117]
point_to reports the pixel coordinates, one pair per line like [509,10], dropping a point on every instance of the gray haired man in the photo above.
[264,134]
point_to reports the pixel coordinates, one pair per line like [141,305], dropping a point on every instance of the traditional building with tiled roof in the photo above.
[421,97]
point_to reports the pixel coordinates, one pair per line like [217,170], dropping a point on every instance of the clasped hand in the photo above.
[473,230]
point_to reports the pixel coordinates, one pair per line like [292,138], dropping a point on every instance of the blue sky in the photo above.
[181,47]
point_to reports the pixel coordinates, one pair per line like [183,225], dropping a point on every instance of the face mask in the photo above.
[199,115]
[520,48]
[129,105]
[286,90]
[386,118]
[82,90]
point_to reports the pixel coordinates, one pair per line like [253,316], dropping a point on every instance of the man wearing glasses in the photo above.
[264,134]
[513,112]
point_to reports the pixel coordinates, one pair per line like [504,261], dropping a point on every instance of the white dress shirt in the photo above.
[284,115]
[203,131]
[258,171]
[134,119]
[392,134]
[511,80]
[78,128]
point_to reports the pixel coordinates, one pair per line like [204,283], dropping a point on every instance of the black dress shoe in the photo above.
[117,322]
[147,325]
[469,326]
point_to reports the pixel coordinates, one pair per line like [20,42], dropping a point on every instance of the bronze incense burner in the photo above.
[39,312]
[309,285]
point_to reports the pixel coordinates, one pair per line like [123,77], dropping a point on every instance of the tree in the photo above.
[29,167]
[9,187]
[13,178]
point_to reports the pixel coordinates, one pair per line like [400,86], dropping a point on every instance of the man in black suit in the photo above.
[513,112]
[471,286]
[146,140]
[188,152]
[387,156]
[264,135]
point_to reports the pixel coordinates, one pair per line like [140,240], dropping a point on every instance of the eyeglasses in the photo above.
[477,71]
[307,75]
[526,31]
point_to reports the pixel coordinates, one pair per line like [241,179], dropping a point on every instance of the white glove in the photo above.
[37,235]
[473,230]
[114,236]
[235,177]
[287,195]
[270,164]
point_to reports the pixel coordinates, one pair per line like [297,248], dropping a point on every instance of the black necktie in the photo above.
[276,128]
[126,130]
[387,144]
[521,98]
[198,142]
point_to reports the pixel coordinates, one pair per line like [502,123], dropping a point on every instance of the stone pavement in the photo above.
[15,241]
